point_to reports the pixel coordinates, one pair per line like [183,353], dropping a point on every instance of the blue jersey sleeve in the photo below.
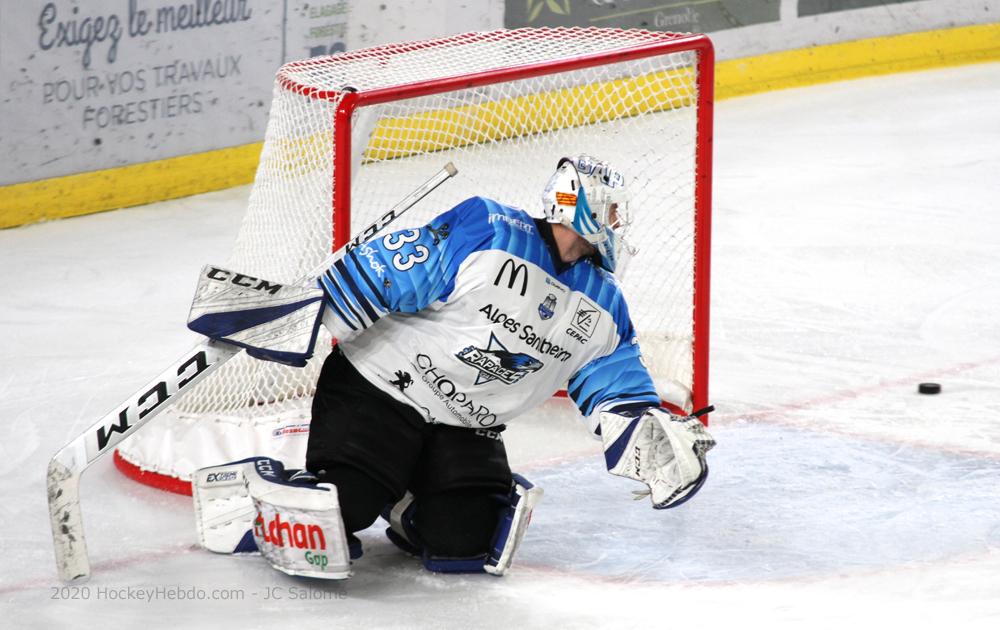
[615,381]
[402,272]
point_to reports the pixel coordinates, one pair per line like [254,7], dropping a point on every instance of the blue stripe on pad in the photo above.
[247,544]
[222,325]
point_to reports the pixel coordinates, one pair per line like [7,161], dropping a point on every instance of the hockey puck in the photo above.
[929,388]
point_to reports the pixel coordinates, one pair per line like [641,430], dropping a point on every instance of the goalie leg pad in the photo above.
[514,514]
[298,526]
[255,505]
[223,510]
[401,531]
[514,519]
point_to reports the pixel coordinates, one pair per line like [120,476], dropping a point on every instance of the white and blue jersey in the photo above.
[471,320]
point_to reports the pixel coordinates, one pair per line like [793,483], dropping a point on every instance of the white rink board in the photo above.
[855,255]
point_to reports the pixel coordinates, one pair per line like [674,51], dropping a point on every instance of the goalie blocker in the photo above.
[272,321]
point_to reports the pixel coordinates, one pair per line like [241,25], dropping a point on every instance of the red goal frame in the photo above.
[350,100]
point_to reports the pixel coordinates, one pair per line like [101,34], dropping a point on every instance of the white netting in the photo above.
[505,137]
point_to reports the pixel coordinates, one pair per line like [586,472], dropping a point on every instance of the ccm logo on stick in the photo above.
[241,280]
[151,399]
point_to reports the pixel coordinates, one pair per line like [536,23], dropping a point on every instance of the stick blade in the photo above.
[67,521]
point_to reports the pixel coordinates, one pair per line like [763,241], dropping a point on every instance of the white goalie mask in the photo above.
[589,197]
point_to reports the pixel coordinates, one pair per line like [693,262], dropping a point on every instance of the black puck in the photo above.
[929,388]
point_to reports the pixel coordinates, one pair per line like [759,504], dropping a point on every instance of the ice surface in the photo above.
[856,254]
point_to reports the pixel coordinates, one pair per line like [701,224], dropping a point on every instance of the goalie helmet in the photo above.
[589,197]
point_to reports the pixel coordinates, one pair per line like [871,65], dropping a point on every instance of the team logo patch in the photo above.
[495,362]
[586,317]
[545,308]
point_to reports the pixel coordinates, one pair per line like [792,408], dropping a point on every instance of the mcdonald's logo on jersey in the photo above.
[513,271]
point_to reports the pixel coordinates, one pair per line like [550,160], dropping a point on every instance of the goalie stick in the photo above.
[68,464]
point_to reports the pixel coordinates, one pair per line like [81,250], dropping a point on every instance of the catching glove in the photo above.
[663,450]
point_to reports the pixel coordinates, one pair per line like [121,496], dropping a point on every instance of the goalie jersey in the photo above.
[473,320]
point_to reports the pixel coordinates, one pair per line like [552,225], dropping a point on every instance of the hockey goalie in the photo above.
[445,334]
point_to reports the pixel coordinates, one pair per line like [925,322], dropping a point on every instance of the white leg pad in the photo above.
[223,509]
[297,527]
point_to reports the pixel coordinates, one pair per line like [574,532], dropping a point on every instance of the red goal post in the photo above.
[347,135]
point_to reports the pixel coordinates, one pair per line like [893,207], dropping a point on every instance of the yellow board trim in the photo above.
[862,58]
[139,184]
[132,185]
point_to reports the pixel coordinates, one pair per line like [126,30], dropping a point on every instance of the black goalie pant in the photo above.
[374,448]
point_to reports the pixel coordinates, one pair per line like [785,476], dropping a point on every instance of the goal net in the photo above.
[350,135]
